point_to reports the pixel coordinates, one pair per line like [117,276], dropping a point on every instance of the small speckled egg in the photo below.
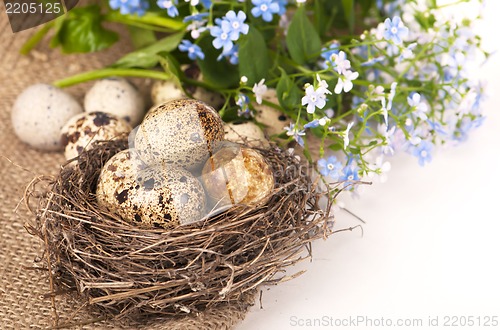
[179,133]
[237,175]
[158,196]
[118,97]
[40,112]
[83,130]
[273,119]
[245,132]
[166,90]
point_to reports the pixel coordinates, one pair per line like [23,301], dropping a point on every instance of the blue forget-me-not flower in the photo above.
[395,30]
[194,51]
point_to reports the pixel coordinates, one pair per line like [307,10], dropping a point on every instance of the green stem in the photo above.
[106,73]
[154,22]
[36,38]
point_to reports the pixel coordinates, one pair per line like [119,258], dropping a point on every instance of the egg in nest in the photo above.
[82,131]
[154,196]
[179,133]
[237,175]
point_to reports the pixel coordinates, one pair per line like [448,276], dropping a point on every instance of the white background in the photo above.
[431,243]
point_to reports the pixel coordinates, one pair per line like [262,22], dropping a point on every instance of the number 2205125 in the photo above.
[33,8]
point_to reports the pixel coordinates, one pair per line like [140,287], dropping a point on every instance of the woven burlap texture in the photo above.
[22,305]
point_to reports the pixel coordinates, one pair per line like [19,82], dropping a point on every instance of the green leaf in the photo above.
[147,56]
[320,17]
[254,61]
[171,67]
[219,74]
[302,40]
[349,13]
[355,150]
[288,93]
[150,20]
[141,37]
[366,5]
[82,32]
[335,147]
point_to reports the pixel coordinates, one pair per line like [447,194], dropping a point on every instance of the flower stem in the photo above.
[106,73]
[36,38]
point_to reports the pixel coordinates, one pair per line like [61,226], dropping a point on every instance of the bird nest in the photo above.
[126,270]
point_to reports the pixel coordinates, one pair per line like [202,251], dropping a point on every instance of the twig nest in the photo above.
[136,271]
[116,96]
[237,175]
[40,112]
[245,132]
[179,133]
[84,130]
[153,196]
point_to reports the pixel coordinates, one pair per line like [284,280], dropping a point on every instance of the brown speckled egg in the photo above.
[179,133]
[157,196]
[83,130]
[245,132]
[237,175]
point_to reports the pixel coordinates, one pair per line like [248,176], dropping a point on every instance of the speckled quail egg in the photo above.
[83,130]
[40,112]
[273,119]
[157,196]
[179,133]
[166,90]
[237,175]
[245,132]
[118,97]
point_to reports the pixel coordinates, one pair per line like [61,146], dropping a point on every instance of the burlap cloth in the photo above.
[22,304]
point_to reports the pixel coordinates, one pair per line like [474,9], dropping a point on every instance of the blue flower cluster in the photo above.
[403,85]
[268,8]
[227,30]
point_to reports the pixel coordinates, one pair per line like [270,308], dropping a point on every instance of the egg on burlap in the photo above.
[82,131]
[166,90]
[153,196]
[179,133]
[245,132]
[237,175]
[39,113]
[118,97]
